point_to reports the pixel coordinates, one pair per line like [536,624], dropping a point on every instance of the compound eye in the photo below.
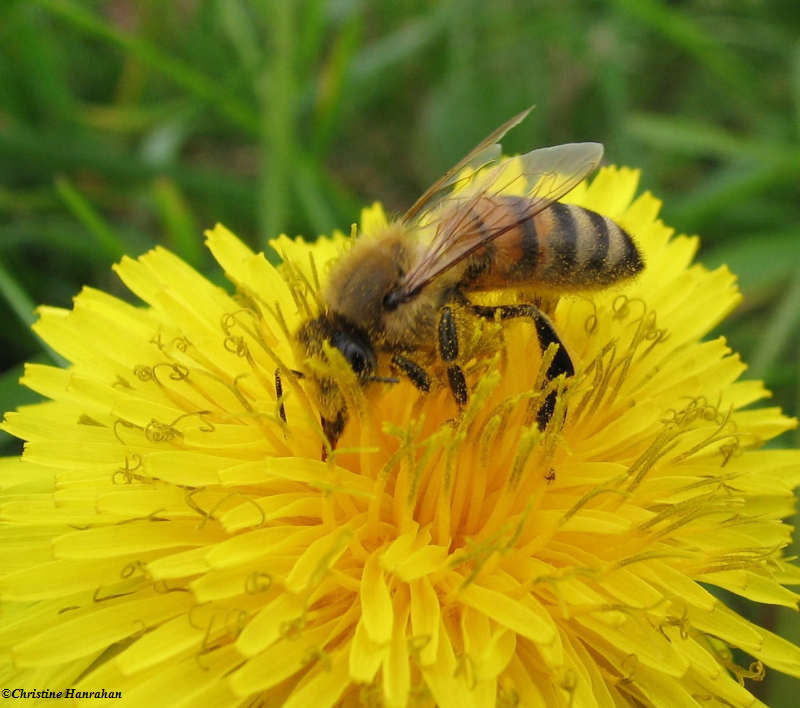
[390,301]
[356,349]
[356,357]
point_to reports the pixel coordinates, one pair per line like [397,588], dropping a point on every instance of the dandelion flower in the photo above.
[168,535]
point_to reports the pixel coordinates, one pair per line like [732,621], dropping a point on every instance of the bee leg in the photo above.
[448,351]
[414,372]
[333,431]
[546,333]
[279,395]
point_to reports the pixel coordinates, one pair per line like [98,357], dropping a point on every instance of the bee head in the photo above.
[349,339]
[332,330]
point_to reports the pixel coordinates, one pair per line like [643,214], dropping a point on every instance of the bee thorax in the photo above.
[361,280]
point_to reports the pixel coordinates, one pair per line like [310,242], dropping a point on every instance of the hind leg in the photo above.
[448,352]
[547,335]
[413,372]
[448,348]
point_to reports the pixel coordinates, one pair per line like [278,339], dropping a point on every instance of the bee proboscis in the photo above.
[489,223]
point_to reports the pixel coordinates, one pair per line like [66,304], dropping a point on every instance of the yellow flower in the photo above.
[167,535]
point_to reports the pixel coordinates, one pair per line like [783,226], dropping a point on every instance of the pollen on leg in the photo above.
[448,336]
[458,384]
[415,373]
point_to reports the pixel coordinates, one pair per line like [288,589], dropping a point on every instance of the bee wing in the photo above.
[485,152]
[543,176]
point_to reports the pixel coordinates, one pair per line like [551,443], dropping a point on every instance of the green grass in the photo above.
[127,124]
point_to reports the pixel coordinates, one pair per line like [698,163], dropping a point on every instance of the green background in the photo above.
[124,124]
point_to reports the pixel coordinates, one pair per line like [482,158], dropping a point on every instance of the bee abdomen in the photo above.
[581,248]
[564,246]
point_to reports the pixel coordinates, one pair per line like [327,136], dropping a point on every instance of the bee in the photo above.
[390,300]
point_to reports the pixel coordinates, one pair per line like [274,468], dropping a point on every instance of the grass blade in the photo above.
[238,112]
[277,93]
[107,241]
[180,227]
[23,307]
[779,330]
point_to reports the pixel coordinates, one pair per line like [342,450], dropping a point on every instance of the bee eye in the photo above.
[390,301]
[356,359]
[360,359]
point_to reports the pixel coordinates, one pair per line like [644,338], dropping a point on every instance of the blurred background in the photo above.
[130,123]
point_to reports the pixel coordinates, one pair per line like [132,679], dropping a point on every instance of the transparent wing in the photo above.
[484,153]
[542,176]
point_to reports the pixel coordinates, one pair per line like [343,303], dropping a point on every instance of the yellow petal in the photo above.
[98,628]
[425,619]
[396,669]
[136,536]
[514,614]
[162,644]
[366,656]
[376,604]
[323,686]
[270,623]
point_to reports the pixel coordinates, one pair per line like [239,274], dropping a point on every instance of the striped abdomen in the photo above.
[565,246]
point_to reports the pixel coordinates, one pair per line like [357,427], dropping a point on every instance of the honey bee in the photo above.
[390,300]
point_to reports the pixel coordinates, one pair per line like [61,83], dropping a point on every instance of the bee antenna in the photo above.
[383,379]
